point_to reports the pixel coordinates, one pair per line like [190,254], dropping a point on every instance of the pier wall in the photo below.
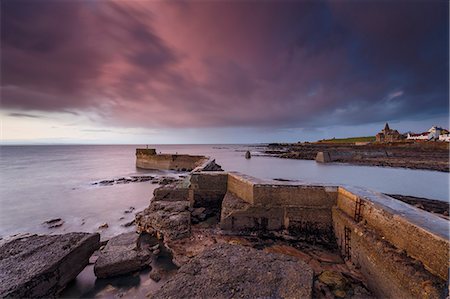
[401,249]
[148,159]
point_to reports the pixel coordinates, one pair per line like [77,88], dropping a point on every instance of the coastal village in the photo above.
[435,133]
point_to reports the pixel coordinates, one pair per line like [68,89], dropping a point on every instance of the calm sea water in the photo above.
[38,183]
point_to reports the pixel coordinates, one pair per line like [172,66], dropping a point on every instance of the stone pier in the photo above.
[403,251]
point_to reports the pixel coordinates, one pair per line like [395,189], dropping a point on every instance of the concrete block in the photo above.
[240,186]
[391,273]
[323,157]
[291,195]
[421,234]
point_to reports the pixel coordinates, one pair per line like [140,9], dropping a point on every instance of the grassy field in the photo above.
[349,140]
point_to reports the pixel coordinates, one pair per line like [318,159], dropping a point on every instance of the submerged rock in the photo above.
[103,226]
[54,223]
[226,271]
[41,266]
[120,256]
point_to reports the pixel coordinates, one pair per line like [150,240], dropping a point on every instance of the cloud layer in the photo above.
[225,64]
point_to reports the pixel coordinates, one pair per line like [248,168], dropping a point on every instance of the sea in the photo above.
[43,182]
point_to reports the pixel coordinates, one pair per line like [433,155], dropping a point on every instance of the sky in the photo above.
[157,72]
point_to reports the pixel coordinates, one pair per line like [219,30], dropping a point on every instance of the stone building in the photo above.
[388,135]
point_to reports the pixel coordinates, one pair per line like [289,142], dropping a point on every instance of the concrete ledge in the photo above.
[241,186]
[422,235]
[391,273]
[299,195]
[148,159]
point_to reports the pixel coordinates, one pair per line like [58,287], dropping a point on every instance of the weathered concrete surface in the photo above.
[207,190]
[301,209]
[228,271]
[422,235]
[41,266]
[238,215]
[392,273]
[148,159]
[323,157]
[120,256]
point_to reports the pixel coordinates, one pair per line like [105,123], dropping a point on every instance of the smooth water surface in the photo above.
[38,183]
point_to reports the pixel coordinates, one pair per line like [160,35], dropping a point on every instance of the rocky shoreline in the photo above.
[428,156]
[210,252]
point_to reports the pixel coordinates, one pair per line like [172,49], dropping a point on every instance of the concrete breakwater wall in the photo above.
[403,251]
[343,156]
[149,159]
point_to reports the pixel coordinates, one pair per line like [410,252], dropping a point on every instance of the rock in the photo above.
[169,219]
[226,271]
[198,212]
[42,265]
[103,226]
[54,223]
[336,281]
[212,166]
[248,155]
[130,209]
[120,256]
[128,224]
[155,275]
[289,250]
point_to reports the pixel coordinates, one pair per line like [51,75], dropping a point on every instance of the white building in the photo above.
[421,136]
[435,132]
[444,137]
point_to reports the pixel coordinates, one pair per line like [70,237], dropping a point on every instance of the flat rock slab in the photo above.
[41,266]
[121,256]
[233,271]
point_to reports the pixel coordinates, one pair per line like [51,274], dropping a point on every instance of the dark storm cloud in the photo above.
[227,63]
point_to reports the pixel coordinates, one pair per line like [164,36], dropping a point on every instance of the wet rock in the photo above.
[129,210]
[248,155]
[103,226]
[120,256]
[226,271]
[128,224]
[336,281]
[124,180]
[198,211]
[41,266]
[212,166]
[155,249]
[53,223]
[171,219]
[155,275]
[168,180]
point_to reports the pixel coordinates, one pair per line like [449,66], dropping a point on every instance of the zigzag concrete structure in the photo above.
[401,250]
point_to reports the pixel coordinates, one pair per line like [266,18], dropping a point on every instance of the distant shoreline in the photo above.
[428,156]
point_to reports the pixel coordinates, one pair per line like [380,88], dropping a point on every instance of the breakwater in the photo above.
[149,159]
[403,251]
